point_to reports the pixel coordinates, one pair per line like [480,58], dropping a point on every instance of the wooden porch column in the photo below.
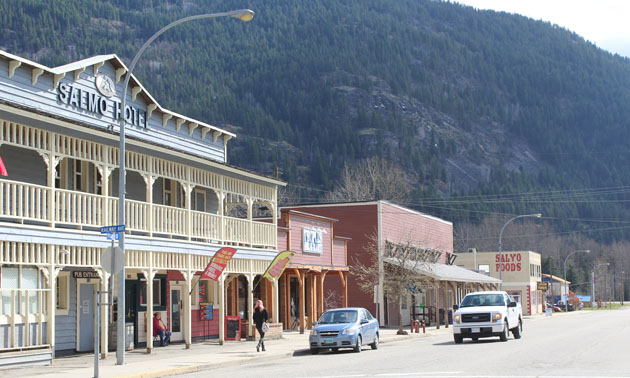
[148,275]
[301,278]
[250,305]
[276,302]
[149,180]
[221,300]
[189,219]
[344,288]
[320,304]
[52,298]
[312,301]
[250,221]
[436,299]
[188,284]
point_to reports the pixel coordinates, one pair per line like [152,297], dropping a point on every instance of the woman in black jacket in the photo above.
[260,317]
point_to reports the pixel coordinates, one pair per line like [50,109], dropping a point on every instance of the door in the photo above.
[176,315]
[86,318]
[131,309]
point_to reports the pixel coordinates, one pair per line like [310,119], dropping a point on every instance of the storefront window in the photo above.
[157,292]
[23,278]
[63,292]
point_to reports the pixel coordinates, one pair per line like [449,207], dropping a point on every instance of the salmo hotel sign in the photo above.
[100,103]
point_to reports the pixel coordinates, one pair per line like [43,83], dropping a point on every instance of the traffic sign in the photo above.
[113,260]
[117,228]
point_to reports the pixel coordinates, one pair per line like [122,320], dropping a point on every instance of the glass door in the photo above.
[176,313]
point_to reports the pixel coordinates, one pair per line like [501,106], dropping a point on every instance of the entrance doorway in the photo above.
[86,317]
[175,310]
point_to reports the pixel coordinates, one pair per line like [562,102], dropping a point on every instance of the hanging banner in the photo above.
[277,266]
[218,262]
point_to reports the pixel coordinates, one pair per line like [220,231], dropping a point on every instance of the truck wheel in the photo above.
[518,330]
[504,335]
[314,351]
[458,339]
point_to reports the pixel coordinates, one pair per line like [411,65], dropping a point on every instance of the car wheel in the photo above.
[357,347]
[334,350]
[518,330]
[504,335]
[374,345]
[458,339]
[475,339]
[314,351]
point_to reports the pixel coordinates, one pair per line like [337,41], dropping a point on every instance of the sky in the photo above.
[606,23]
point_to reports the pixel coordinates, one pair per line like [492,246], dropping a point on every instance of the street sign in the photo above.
[113,236]
[117,228]
[544,286]
[113,260]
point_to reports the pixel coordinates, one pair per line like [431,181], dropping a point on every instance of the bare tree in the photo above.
[402,264]
[372,179]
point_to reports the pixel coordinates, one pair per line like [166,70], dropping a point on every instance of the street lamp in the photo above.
[566,287]
[593,282]
[501,235]
[242,14]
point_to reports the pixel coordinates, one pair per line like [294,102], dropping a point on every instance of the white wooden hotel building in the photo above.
[59,141]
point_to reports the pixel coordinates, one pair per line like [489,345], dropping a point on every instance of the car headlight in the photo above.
[349,331]
[457,318]
[497,317]
[313,332]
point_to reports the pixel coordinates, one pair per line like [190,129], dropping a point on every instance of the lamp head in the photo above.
[539,215]
[244,15]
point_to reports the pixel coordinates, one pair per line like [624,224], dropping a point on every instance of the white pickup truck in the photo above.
[487,314]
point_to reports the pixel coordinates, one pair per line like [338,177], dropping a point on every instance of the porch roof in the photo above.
[444,272]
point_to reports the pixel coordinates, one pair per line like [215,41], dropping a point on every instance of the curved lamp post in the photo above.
[243,15]
[501,235]
[593,282]
[566,287]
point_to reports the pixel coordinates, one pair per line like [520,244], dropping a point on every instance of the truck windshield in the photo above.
[483,300]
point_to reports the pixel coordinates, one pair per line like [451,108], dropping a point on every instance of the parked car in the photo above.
[570,306]
[350,327]
[487,314]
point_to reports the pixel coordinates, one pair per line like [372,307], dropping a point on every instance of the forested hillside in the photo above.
[489,113]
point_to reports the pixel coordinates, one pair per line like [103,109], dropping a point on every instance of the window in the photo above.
[200,200]
[78,175]
[484,268]
[157,292]
[63,293]
[98,182]
[206,291]
[168,194]
[21,278]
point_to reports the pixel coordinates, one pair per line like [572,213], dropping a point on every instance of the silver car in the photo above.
[350,327]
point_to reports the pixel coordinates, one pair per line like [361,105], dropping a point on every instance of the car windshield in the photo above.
[338,317]
[483,300]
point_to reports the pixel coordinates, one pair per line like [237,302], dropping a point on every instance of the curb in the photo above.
[300,352]
[194,368]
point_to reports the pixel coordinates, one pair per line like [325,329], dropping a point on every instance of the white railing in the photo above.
[23,201]
[262,234]
[206,226]
[169,220]
[31,202]
[78,208]
[236,230]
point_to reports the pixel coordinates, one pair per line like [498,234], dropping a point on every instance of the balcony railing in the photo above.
[28,202]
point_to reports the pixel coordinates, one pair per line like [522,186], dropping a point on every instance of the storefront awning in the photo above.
[444,272]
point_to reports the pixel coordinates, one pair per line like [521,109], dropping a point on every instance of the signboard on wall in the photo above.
[205,311]
[312,240]
[544,286]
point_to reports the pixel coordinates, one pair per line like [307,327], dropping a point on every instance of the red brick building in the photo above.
[390,223]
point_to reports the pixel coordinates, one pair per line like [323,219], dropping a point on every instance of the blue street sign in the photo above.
[117,228]
[113,236]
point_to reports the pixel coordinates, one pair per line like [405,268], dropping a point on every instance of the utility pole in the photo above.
[623,288]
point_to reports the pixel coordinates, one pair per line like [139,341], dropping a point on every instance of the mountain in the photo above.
[489,112]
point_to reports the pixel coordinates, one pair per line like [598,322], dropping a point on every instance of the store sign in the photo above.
[544,286]
[312,240]
[100,104]
[218,263]
[86,274]
[511,262]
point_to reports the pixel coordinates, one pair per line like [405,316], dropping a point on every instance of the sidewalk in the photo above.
[175,359]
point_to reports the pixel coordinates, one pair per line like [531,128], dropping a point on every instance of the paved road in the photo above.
[584,343]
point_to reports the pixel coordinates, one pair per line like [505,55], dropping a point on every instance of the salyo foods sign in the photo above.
[100,103]
[511,262]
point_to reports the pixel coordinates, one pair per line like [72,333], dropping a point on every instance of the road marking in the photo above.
[416,373]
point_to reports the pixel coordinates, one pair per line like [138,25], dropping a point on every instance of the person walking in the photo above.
[260,319]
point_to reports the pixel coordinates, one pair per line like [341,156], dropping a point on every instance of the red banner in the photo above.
[218,262]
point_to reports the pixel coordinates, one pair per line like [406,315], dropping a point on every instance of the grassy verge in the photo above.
[613,306]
